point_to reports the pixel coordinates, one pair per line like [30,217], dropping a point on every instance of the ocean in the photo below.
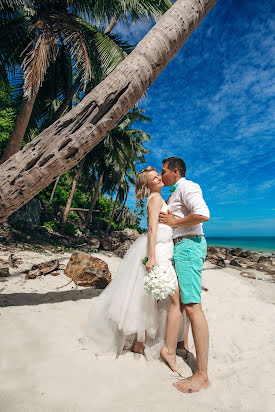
[259,244]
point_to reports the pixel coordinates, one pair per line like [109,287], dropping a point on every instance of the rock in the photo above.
[219,261]
[234,262]
[212,250]
[236,251]
[86,270]
[27,215]
[110,243]
[244,254]
[120,252]
[115,239]
[4,271]
[252,256]
[129,234]
[248,275]
[265,261]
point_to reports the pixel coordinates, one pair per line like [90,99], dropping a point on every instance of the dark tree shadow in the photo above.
[25,299]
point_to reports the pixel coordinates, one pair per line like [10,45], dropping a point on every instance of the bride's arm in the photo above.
[153,210]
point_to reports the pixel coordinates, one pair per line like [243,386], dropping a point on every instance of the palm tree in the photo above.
[47,31]
[70,198]
[48,26]
[61,146]
[116,156]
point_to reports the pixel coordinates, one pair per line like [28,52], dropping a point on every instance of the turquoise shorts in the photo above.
[189,255]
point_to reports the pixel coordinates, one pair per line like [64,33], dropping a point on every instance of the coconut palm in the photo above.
[47,26]
[115,158]
[39,35]
[68,140]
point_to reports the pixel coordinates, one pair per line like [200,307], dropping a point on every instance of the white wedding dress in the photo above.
[124,311]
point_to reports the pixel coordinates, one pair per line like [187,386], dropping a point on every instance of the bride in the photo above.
[125,316]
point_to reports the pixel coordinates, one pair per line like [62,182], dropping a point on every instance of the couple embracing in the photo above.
[125,316]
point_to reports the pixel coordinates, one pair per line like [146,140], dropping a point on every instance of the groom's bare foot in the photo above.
[170,358]
[193,384]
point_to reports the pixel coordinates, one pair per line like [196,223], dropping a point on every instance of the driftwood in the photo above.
[42,269]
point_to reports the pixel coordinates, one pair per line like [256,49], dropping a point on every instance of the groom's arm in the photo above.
[191,197]
[190,220]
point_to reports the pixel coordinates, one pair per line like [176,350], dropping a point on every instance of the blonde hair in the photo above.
[141,187]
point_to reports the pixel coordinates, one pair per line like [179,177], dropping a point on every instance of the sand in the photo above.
[45,367]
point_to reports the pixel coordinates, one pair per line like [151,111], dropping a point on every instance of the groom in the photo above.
[188,212]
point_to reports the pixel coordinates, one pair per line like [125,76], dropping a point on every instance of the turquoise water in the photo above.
[264,244]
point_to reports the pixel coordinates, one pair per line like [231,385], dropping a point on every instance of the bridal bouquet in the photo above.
[161,282]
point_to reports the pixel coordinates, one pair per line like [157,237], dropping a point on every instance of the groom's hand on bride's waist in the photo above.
[167,218]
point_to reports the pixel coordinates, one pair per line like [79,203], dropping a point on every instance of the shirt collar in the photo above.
[180,180]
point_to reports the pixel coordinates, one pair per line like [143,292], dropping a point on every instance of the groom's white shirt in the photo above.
[186,199]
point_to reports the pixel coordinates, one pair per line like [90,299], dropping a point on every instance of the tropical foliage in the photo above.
[52,53]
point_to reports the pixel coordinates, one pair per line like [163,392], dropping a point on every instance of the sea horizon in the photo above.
[253,243]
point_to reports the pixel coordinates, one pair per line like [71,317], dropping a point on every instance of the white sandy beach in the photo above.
[44,366]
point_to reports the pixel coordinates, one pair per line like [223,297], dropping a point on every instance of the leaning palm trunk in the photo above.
[94,200]
[68,140]
[113,212]
[71,195]
[19,129]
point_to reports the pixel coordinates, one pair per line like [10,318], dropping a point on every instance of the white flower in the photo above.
[161,282]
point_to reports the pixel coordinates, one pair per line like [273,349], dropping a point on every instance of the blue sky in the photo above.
[214,106]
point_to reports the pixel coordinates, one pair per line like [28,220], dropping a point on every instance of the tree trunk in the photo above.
[112,24]
[67,100]
[125,199]
[54,188]
[124,217]
[138,207]
[68,140]
[93,202]
[135,205]
[20,126]
[71,195]
[113,212]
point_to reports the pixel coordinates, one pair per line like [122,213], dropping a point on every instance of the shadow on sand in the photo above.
[23,299]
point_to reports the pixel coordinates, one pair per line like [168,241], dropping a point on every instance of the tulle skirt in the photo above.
[124,312]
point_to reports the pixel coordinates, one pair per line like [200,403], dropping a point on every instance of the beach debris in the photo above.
[86,270]
[248,275]
[45,268]
[4,271]
[30,276]
[66,284]
[204,288]
[55,273]
[14,261]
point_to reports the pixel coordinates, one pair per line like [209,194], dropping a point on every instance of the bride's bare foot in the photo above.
[170,358]
[138,347]
[193,384]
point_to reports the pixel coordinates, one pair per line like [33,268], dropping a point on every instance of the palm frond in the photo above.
[37,60]
[67,28]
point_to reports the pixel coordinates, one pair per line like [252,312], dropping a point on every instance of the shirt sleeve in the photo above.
[191,195]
